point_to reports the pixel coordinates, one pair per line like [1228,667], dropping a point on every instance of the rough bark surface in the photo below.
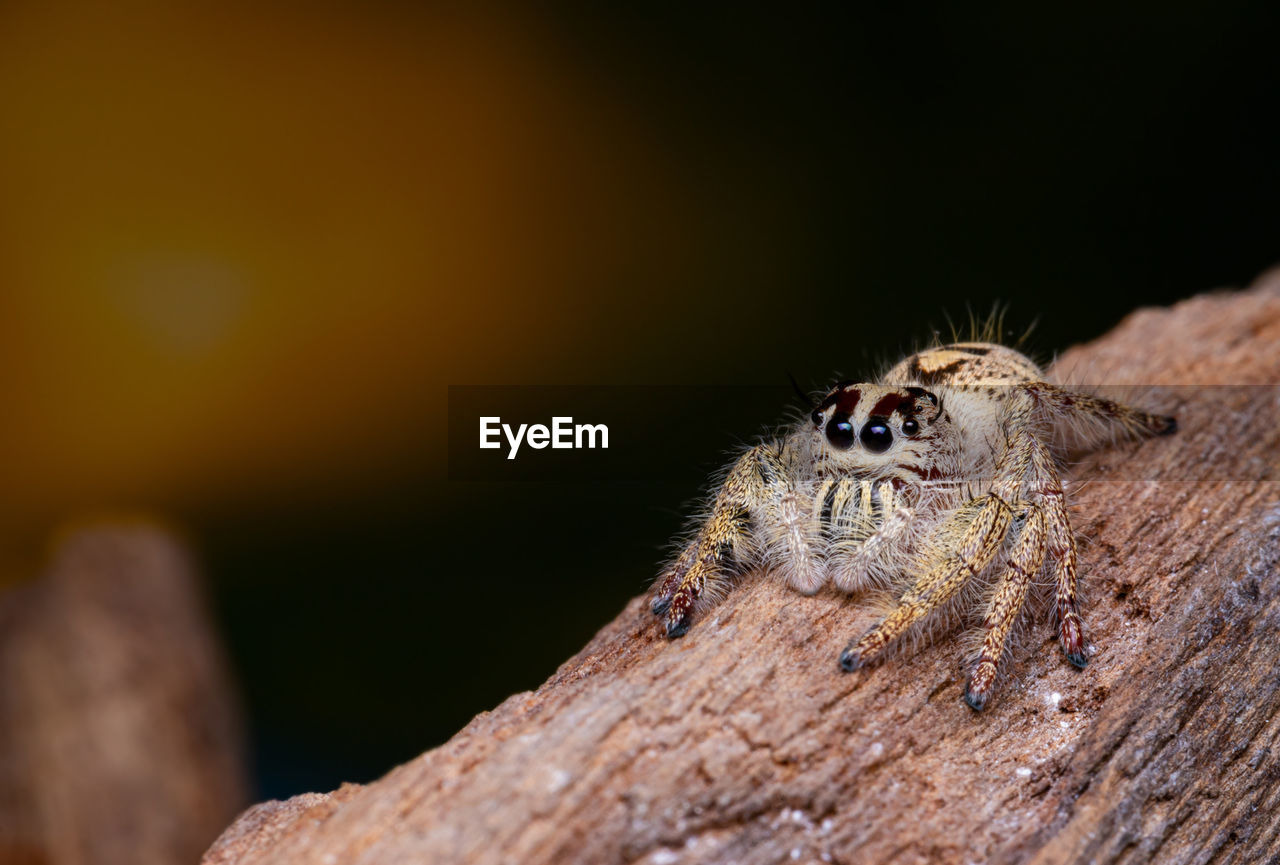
[744,743]
[119,738]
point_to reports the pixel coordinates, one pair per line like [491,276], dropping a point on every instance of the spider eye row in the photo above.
[876,435]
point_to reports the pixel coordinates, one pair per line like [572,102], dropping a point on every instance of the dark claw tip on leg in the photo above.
[677,629]
[1078,659]
[660,606]
[976,702]
[850,660]
[1170,426]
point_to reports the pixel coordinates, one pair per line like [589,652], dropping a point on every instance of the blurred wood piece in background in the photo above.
[120,736]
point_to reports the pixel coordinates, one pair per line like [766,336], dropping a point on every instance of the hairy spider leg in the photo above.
[1006,604]
[979,544]
[723,537]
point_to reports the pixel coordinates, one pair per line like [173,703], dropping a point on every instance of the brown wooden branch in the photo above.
[119,736]
[744,743]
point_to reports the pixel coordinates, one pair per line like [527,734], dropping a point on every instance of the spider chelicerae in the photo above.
[938,484]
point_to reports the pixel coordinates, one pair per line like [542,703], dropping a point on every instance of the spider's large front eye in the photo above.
[876,435]
[840,432]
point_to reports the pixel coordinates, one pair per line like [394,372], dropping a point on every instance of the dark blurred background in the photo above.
[246,247]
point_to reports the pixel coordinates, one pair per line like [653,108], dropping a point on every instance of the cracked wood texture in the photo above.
[743,742]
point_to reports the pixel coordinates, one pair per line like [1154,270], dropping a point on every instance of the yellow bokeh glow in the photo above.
[244,248]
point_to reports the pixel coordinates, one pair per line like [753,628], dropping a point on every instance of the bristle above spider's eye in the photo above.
[840,433]
[876,435]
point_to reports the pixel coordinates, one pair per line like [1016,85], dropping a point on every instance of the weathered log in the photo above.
[119,736]
[743,742]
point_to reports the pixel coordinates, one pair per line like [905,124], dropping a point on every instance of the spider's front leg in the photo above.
[975,533]
[980,542]
[724,538]
[1006,604]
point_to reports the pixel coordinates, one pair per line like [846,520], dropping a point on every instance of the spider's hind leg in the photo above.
[1094,417]
[1060,541]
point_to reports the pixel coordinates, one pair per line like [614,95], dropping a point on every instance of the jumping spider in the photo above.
[937,483]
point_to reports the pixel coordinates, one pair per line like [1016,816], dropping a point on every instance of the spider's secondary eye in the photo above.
[910,427]
[817,417]
[876,435]
[840,432]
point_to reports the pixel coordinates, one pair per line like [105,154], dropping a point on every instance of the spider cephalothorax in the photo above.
[937,483]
